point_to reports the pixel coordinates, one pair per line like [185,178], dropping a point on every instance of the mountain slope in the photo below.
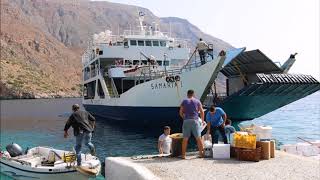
[42,41]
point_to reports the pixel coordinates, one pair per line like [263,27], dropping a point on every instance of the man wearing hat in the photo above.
[83,124]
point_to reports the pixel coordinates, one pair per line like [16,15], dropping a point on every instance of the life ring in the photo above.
[167,79]
[177,78]
[171,79]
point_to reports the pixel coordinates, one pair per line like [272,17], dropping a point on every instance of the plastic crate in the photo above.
[247,141]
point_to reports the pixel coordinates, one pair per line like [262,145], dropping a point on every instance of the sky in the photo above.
[277,27]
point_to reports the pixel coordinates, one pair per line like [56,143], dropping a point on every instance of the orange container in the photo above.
[247,141]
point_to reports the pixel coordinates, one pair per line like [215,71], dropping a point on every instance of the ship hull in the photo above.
[155,116]
[156,102]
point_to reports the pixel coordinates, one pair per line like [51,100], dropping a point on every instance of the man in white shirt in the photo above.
[164,142]
[202,49]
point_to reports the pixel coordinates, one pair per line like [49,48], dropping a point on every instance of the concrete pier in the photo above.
[283,166]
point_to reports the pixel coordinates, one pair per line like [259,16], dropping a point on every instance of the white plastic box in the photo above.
[262,132]
[221,151]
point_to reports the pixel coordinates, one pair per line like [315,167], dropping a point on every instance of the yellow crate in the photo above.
[244,141]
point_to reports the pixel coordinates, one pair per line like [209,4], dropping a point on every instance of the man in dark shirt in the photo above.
[83,124]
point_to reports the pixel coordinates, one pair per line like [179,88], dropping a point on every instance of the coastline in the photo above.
[37,97]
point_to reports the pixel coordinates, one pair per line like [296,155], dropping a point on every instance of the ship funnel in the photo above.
[288,64]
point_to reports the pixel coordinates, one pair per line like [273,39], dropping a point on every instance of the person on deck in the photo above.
[164,142]
[83,124]
[202,48]
[216,119]
[189,110]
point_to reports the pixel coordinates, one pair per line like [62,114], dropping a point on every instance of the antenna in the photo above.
[170,29]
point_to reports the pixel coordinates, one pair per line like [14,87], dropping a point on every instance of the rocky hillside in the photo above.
[42,41]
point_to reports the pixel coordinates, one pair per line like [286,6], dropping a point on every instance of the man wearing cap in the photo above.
[83,124]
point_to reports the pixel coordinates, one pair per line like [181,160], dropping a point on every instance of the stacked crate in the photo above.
[246,148]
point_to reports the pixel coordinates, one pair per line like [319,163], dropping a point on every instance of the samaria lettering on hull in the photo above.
[165,85]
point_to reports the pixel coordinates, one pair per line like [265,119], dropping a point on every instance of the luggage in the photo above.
[248,154]
[265,149]
[247,141]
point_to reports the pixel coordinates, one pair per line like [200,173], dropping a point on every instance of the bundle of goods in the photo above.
[176,145]
[244,140]
[207,143]
[261,132]
[303,149]
[245,147]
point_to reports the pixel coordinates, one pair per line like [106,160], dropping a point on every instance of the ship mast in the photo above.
[141,18]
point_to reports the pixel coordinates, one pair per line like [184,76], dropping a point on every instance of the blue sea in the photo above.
[40,122]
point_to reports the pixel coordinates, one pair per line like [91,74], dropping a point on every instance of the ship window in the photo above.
[159,63]
[93,70]
[135,62]
[89,90]
[166,63]
[128,62]
[133,42]
[145,62]
[100,90]
[125,44]
[148,43]
[162,43]
[86,73]
[140,43]
[155,43]
[100,52]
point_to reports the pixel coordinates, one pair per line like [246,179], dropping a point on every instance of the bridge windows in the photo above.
[148,43]
[133,42]
[140,43]
[155,43]
[144,62]
[135,62]
[166,63]
[162,43]
[125,44]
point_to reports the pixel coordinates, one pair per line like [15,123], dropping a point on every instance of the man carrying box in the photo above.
[216,119]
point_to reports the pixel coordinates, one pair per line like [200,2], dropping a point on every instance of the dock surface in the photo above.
[284,166]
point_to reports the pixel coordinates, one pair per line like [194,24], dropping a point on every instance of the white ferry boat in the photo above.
[142,77]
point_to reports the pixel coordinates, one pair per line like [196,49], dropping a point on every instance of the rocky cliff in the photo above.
[42,41]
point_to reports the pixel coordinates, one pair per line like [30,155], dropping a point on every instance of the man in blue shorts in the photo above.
[189,112]
[216,119]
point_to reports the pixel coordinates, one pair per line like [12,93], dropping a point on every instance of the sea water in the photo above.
[40,122]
